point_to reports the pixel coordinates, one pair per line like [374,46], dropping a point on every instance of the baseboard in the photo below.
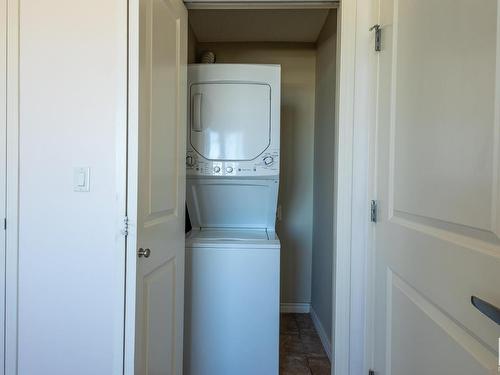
[297,308]
[322,334]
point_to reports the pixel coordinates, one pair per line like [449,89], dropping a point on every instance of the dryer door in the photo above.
[230,120]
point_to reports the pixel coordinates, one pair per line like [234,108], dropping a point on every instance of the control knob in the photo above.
[216,169]
[229,169]
[268,160]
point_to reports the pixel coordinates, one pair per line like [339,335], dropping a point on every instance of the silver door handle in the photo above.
[196,124]
[143,253]
[486,308]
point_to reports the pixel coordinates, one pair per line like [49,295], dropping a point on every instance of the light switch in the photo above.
[81,179]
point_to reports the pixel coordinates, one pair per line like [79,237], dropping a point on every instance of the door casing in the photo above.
[3,166]
[354,136]
[355,131]
[12,187]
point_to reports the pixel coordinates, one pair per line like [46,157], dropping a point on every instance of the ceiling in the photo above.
[257,25]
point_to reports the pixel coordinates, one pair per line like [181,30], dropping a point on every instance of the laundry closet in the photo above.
[302,43]
[95,120]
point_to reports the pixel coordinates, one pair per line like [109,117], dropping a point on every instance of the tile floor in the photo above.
[301,351]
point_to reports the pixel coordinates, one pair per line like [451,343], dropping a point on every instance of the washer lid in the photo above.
[232,238]
[230,234]
[230,120]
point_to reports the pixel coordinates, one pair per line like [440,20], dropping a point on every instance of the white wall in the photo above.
[71,252]
[324,153]
[298,61]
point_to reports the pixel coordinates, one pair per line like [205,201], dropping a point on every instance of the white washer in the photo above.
[232,308]
[232,252]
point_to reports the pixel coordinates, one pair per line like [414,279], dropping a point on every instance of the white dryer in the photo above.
[232,252]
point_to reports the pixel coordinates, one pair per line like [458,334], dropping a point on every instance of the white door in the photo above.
[161,185]
[438,169]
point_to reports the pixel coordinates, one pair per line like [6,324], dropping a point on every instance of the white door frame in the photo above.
[12,188]
[132,185]
[357,78]
[354,188]
[3,167]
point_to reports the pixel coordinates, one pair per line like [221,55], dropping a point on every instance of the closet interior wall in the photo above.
[308,62]
[323,272]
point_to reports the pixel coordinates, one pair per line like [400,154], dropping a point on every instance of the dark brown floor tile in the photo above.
[319,366]
[291,344]
[307,331]
[288,324]
[313,350]
[312,346]
[304,321]
[294,365]
[301,350]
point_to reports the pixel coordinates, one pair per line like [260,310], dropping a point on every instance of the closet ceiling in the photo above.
[257,25]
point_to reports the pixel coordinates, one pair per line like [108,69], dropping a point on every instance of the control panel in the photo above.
[267,164]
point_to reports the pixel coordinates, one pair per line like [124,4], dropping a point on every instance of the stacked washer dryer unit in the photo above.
[232,252]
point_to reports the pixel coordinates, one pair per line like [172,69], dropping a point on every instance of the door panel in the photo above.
[160,319]
[439,343]
[437,182]
[162,121]
[163,147]
[444,82]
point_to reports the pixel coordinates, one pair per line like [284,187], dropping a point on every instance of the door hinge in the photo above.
[125,226]
[371,372]
[373,211]
[378,37]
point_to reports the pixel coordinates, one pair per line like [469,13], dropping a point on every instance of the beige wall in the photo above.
[298,62]
[324,154]
[192,43]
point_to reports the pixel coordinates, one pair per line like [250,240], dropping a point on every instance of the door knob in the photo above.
[143,253]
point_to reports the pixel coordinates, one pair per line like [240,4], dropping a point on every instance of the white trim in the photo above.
[327,345]
[3,169]
[132,188]
[365,107]
[121,172]
[12,200]
[357,77]
[297,308]
[227,5]
[343,199]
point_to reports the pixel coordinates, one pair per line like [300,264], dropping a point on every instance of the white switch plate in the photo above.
[81,179]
